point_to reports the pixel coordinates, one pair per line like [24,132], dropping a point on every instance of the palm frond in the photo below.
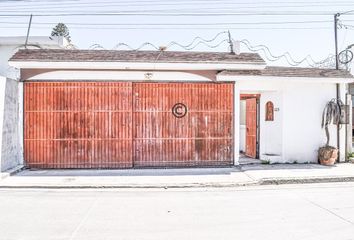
[331,114]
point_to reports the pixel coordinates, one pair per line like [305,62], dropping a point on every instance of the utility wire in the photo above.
[184,3]
[226,6]
[175,28]
[176,2]
[351,11]
[170,24]
[191,14]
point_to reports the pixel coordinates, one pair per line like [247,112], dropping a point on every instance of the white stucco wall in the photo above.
[2,104]
[6,52]
[10,137]
[11,147]
[242,125]
[242,138]
[295,134]
[271,132]
[303,107]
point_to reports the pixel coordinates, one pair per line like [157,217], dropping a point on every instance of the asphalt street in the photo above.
[312,211]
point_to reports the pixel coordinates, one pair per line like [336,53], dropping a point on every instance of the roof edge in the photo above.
[290,72]
[139,65]
[241,78]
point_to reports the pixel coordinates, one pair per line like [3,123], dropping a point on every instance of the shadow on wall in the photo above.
[11,147]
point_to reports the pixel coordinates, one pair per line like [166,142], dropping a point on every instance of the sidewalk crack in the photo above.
[244,172]
[330,211]
[83,220]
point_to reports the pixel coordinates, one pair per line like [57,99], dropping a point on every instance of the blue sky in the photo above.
[296,26]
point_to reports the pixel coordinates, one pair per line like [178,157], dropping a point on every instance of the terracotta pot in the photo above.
[327,155]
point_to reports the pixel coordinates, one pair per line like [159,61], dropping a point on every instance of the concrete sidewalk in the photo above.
[177,178]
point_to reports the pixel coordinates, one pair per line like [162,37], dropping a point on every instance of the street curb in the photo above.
[264,181]
[279,181]
[207,185]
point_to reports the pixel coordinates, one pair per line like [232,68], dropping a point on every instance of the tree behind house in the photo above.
[61,30]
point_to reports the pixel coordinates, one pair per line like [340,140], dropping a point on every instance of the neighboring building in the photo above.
[10,45]
[123,109]
[10,97]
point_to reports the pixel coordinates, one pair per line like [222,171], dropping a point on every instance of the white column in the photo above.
[21,120]
[342,131]
[236,124]
[2,102]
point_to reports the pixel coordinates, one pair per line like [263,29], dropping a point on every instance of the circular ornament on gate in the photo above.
[179,110]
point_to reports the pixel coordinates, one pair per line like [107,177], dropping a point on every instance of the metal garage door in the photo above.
[78,125]
[202,137]
[121,125]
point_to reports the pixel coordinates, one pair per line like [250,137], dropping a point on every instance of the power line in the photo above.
[176,2]
[181,28]
[26,9]
[351,11]
[195,14]
[172,24]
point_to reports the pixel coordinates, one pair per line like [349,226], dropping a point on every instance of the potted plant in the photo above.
[351,157]
[327,155]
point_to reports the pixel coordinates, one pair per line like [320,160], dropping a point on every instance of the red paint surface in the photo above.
[251,127]
[121,125]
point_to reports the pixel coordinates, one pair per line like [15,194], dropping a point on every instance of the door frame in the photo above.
[244,96]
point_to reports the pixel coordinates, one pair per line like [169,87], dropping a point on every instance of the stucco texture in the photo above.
[10,140]
[295,134]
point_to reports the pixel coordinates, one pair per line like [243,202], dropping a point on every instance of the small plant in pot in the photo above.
[351,157]
[327,155]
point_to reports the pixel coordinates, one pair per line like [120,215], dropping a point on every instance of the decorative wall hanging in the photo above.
[269,111]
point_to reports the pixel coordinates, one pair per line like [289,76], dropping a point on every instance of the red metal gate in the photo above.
[121,125]
[78,125]
[203,137]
